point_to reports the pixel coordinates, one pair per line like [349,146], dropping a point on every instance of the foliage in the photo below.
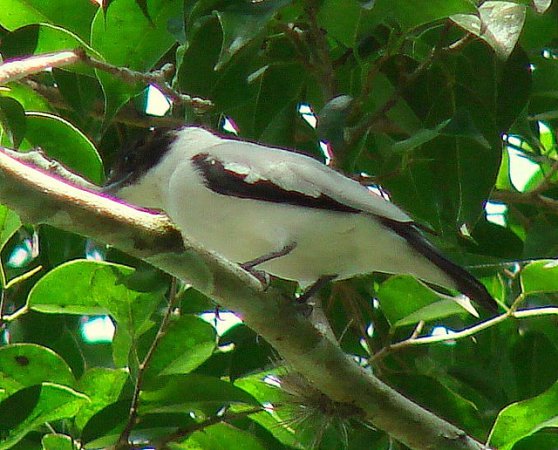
[445,104]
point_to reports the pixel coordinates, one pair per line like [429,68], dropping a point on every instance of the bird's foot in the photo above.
[314,288]
[261,275]
[305,309]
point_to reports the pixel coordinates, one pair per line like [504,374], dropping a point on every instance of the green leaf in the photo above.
[228,88]
[541,6]
[187,392]
[541,240]
[522,419]
[446,170]
[79,91]
[402,113]
[412,14]
[9,224]
[539,276]
[264,392]
[74,16]
[92,287]
[243,23]
[27,97]
[57,442]
[67,289]
[31,364]
[33,406]
[545,78]
[419,138]
[540,373]
[504,179]
[187,343]
[250,353]
[12,122]
[278,86]
[103,386]
[406,301]
[514,88]
[344,19]
[539,441]
[426,390]
[125,37]
[499,23]
[434,311]
[64,143]
[223,436]
[80,287]
[103,429]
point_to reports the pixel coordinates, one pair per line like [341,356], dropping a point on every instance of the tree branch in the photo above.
[157,78]
[150,236]
[127,115]
[123,440]
[20,68]
[415,340]
[528,198]
[357,132]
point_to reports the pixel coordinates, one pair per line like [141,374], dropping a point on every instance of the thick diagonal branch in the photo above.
[41,198]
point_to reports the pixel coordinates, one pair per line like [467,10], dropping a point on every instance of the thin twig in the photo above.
[546,183]
[413,340]
[185,431]
[527,198]
[23,277]
[368,85]
[2,304]
[123,440]
[461,43]
[358,131]
[16,315]
[127,115]
[417,330]
[156,78]
[324,64]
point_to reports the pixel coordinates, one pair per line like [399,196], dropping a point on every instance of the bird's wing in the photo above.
[276,175]
[247,170]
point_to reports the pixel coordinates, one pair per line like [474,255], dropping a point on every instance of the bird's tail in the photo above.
[463,280]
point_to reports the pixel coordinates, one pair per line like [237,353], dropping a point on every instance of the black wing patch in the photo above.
[465,282]
[227,182]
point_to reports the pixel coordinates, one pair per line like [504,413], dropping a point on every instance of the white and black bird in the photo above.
[302,220]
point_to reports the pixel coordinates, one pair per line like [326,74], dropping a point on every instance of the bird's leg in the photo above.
[261,275]
[315,288]
[268,257]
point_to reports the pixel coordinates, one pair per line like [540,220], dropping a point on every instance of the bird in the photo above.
[279,211]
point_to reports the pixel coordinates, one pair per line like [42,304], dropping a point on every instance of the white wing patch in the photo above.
[302,174]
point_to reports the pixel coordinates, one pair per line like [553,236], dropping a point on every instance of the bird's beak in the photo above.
[114,186]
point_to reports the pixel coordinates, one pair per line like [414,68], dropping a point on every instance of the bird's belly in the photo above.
[327,242]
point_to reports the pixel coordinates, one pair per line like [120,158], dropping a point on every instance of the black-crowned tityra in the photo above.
[245,201]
